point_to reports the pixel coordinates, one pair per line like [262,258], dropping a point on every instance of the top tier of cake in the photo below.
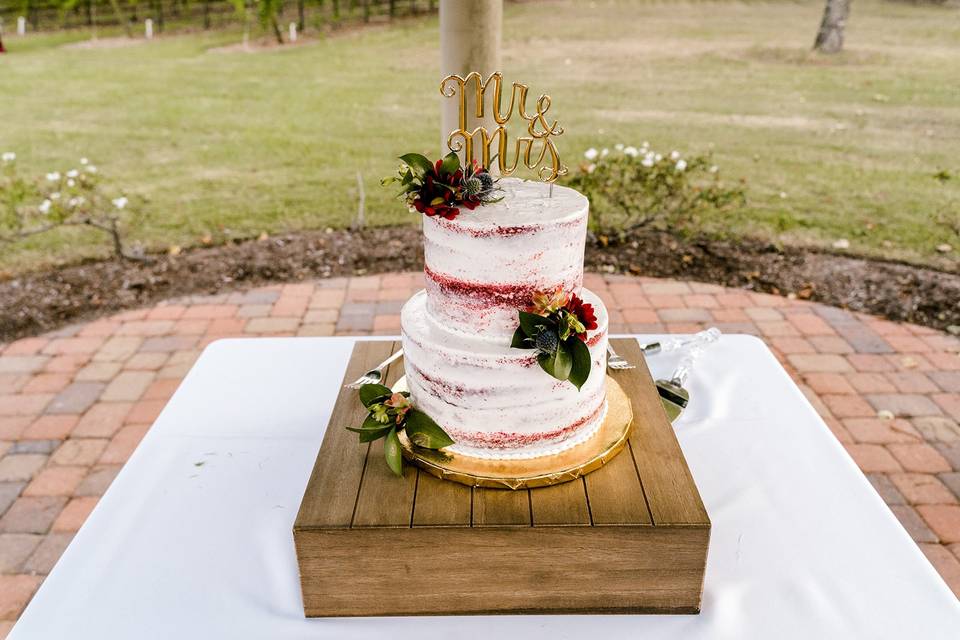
[485,264]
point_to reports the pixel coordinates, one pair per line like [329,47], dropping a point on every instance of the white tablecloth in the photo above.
[193,539]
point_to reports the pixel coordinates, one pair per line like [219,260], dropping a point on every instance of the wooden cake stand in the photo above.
[629,537]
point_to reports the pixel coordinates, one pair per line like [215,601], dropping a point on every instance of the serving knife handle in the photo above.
[682,372]
[694,347]
[703,338]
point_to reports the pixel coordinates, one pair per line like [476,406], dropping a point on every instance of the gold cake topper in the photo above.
[548,169]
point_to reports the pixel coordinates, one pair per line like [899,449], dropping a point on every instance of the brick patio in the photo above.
[75,403]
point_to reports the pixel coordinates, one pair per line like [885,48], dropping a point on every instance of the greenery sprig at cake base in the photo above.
[391,413]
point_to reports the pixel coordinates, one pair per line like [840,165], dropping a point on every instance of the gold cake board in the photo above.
[542,471]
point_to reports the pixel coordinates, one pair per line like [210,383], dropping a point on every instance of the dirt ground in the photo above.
[42,301]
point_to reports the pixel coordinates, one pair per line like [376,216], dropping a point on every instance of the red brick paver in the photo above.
[75,403]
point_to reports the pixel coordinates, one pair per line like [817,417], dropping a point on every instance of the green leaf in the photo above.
[451,162]
[391,452]
[580,370]
[371,430]
[373,423]
[370,393]
[520,340]
[424,432]
[369,435]
[418,162]
[557,364]
[530,321]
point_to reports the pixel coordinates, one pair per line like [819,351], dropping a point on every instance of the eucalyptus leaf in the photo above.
[530,321]
[420,164]
[451,162]
[370,393]
[559,363]
[580,370]
[424,432]
[391,452]
[520,340]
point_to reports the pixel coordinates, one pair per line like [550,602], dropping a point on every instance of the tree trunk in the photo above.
[470,36]
[301,18]
[206,14]
[276,30]
[830,36]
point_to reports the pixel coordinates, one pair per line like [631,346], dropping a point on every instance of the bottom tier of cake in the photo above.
[493,400]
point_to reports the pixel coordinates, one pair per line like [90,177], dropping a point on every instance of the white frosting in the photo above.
[537,451]
[523,453]
[488,395]
[482,267]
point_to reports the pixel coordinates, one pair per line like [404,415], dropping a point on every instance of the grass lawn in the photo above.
[231,144]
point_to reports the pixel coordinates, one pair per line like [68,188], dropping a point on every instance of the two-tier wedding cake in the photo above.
[482,268]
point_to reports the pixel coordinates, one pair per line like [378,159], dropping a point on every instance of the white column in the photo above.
[293,32]
[148,28]
[470,35]
[21,26]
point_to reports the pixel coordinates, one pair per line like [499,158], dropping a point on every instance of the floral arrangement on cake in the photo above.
[440,188]
[391,413]
[556,326]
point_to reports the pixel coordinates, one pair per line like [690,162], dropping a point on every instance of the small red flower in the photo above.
[438,192]
[583,311]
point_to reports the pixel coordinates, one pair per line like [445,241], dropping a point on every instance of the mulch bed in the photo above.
[41,301]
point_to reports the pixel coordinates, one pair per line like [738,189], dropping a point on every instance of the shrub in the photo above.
[74,198]
[631,188]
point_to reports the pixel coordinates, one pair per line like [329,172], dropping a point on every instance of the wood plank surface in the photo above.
[501,507]
[383,499]
[631,537]
[667,483]
[560,505]
[331,493]
[502,570]
[615,494]
[441,503]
